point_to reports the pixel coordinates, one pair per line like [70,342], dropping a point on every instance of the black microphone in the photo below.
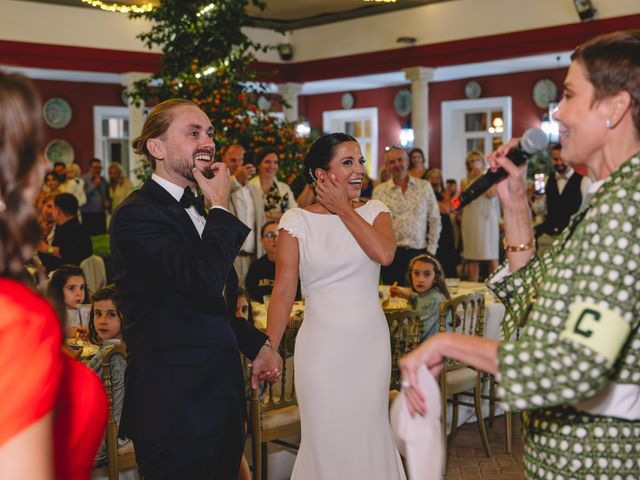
[533,141]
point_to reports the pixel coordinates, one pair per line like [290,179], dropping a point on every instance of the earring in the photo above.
[608,124]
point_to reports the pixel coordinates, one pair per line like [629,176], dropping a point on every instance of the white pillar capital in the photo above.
[290,88]
[290,92]
[129,78]
[419,74]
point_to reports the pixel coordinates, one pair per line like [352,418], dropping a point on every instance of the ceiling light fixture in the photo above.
[114,7]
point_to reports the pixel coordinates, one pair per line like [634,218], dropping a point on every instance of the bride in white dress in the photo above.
[342,353]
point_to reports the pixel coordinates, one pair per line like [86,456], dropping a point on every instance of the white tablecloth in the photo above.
[494,313]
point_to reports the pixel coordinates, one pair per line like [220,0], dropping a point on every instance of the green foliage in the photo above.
[539,163]
[209,60]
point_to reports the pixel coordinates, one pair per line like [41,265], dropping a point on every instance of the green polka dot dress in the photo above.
[577,308]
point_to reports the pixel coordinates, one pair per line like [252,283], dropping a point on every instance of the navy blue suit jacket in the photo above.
[183,371]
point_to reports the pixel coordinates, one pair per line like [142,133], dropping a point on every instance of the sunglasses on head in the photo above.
[393,147]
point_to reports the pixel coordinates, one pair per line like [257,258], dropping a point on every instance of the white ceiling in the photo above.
[296,13]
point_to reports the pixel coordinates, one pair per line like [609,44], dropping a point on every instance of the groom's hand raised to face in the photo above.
[215,189]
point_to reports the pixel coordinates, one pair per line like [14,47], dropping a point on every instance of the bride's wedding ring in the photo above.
[405,383]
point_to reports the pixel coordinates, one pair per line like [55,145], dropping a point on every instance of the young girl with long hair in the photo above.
[428,291]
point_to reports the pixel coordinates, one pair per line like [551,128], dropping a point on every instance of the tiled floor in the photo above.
[467,460]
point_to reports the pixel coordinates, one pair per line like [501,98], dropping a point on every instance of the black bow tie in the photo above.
[188,199]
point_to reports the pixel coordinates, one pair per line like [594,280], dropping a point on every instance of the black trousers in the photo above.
[211,458]
[397,271]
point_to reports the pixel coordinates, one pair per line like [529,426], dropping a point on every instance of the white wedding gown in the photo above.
[342,354]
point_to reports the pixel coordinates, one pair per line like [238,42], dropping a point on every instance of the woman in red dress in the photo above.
[52,409]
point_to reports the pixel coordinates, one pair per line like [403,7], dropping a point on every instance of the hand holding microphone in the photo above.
[533,141]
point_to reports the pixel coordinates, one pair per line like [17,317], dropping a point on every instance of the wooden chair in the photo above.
[123,460]
[493,399]
[467,312]
[404,332]
[275,414]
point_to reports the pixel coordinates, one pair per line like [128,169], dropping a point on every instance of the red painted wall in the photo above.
[519,86]
[81,97]
[311,108]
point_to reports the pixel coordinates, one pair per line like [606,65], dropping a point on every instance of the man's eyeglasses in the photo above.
[270,235]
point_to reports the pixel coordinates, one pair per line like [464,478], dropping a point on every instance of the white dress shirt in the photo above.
[176,192]
[563,178]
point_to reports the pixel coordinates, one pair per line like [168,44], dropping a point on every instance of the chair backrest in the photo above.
[404,333]
[115,463]
[94,272]
[467,317]
[283,393]
[276,404]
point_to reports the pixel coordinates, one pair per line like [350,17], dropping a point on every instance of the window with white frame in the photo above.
[483,124]
[360,123]
[111,136]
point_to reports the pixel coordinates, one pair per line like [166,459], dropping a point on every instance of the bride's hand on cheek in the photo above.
[331,195]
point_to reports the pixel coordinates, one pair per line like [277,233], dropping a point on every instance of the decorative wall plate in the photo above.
[57,113]
[264,103]
[347,101]
[544,92]
[59,151]
[472,89]
[403,103]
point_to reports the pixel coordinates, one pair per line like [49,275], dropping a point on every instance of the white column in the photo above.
[290,92]
[136,117]
[419,78]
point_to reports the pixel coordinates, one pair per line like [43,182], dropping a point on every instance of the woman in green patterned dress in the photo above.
[575,368]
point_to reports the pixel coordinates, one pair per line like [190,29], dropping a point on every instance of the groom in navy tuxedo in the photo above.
[184,404]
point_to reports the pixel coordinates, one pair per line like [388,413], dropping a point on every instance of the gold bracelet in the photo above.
[519,248]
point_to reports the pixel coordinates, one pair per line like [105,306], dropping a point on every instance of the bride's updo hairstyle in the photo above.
[321,153]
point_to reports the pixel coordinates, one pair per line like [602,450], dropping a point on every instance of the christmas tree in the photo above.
[208,59]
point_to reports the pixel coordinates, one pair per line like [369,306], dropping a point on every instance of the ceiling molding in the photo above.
[326,18]
[341,11]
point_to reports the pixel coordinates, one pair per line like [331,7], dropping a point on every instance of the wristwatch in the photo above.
[267,343]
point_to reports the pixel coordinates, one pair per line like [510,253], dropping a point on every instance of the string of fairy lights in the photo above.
[147,7]
[116,7]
